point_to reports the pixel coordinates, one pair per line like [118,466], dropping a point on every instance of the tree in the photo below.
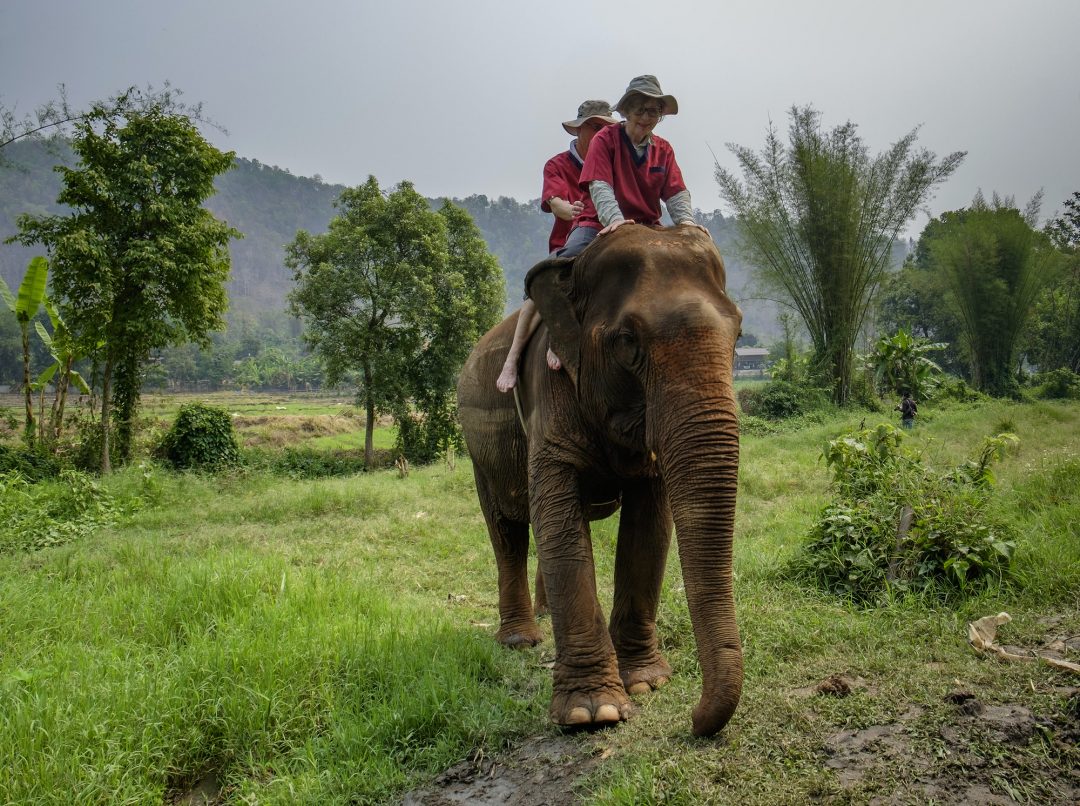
[818,220]
[468,300]
[25,308]
[58,116]
[388,294]
[138,263]
[916,300]
[994,264]
[1055,338]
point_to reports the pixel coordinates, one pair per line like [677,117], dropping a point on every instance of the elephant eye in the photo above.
[627,348]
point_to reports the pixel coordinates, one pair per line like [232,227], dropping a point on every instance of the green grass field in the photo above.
[331,642]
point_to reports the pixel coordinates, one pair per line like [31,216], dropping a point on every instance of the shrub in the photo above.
[201,438]
[1058,384]
[32,464]
[425,437]
[897,525]
[957,389]
[50,513]
[307,463]
[780,399]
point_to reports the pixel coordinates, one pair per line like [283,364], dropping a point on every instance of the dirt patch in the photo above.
[967,762]
[206,791]
[541,771]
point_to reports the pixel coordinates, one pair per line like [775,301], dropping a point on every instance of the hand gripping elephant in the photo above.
[643,413]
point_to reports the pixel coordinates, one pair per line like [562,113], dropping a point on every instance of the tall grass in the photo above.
[128,675]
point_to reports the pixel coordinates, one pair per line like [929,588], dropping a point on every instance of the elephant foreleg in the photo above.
[586,686]
[640,560]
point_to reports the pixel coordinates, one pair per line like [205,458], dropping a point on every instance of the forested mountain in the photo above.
[268,205]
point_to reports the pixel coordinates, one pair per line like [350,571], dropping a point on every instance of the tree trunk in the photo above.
[61,398]
[106,394]
[369,428]
[29,431]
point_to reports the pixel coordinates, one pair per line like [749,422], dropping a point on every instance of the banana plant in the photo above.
[900,363]
[62,348]
[25,308]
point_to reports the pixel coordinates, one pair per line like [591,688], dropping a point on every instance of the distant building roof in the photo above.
[751,352]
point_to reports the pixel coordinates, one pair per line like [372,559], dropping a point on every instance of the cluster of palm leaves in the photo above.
[59,343]
[901,363]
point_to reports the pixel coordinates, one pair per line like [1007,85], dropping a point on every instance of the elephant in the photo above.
[642,415]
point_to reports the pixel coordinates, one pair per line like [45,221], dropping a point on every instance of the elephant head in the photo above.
[646,333]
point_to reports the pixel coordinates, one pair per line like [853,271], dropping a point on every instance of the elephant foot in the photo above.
[594,708]
[646,678]
[519,637]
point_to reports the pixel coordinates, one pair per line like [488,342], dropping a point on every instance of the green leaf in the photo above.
[9,298]
[46,375]
[46,339]
[32,289]
[80,382]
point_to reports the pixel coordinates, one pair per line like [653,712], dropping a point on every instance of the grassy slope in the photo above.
[326,641]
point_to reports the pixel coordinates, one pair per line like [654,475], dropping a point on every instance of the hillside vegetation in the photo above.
[269,204]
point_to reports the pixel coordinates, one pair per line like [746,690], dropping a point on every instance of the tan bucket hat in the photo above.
[590,109]
[650,88]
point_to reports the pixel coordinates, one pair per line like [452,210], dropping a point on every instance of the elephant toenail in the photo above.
[661,681]
[578,716]
[607,713]
[641,687]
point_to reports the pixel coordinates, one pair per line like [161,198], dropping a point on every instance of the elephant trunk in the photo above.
[695,434]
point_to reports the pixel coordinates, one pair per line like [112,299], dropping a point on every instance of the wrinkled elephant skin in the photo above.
[642,413]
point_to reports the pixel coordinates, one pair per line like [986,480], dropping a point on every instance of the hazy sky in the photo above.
[464,97]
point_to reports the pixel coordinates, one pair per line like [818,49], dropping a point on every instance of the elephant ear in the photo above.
[548,284]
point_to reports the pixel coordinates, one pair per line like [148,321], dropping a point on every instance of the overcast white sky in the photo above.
[465,96]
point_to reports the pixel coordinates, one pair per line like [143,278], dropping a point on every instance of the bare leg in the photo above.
[528,320]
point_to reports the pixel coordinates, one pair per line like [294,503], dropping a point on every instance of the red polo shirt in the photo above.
[640,183]
[561,174]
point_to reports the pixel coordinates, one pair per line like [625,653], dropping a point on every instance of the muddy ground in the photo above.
[965,761]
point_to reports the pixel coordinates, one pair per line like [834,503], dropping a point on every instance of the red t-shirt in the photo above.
[640,183]
[561,174]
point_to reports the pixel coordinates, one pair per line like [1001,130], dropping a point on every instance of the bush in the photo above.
[425,437]
[899,526]
[306,463]
[32,464]
[779,399]
[51,513]
[201,438]
[1057,384]
[958,390]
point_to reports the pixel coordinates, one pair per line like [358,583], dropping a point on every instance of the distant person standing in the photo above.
[907,409]
[564,198]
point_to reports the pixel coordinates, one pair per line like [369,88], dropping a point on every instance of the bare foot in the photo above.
[553,361]
[508,377]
